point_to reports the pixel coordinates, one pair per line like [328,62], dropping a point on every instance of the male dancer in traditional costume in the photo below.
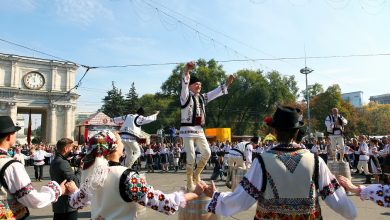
[193,117]
[17,194]
[335,127]
[286,182]
[240,156]
[130,132]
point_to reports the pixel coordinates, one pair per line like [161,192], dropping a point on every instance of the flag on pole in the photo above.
[29,129]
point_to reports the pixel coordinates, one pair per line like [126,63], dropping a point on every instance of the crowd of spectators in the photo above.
[171,156]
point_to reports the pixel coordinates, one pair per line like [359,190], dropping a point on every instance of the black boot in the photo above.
[176,168]
[368,179]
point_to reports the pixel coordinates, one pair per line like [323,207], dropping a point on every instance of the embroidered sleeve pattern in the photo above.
[56,188]
[380,194]
[24,191]
[250,188]
[329,189]
[213,203]
[79,199]
[137,190]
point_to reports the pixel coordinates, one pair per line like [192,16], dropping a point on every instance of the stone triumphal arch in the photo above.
[42,87]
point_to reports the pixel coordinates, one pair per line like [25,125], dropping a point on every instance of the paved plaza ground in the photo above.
[170,182]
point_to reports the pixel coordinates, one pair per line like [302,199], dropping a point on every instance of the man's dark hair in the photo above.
[285,136]
[62,143]
[4,136]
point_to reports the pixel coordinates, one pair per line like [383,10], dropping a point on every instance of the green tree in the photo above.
[374,118]
[113,102]
[283,89]
[157,102]
[313,90]
[131,101]
[246,103]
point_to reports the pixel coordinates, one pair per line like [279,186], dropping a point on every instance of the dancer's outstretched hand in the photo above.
[230,80]
[200,187]
[209,191]
[347,184]
[70,187]
[190,65]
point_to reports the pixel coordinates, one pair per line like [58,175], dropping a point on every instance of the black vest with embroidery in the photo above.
[189,109]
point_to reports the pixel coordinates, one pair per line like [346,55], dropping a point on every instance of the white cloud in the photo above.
[82,12]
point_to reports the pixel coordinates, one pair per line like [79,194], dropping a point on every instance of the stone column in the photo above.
[52,124]
[73,122]
[12,110]
[14,73]
[54,71]
[67,121]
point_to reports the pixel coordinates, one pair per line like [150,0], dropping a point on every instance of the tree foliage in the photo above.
[131,101]
[375,119]
[313,90]
[113,102]
[253,95]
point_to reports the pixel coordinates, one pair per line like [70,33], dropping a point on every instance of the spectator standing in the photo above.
[149,154]
[363,158]
[172,131]
[61,170]
[176,156]
[39,161]
[19,156]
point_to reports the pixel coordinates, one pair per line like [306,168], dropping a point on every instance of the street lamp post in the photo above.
[306,71]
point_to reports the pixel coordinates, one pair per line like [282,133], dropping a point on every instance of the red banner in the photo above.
[29,129]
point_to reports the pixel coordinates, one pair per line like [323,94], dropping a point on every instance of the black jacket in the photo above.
[61,170]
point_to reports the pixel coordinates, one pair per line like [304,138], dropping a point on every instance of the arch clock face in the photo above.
[34,80]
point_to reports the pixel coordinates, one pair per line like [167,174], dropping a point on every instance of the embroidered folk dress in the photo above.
[19,195]
[121,192]
[380,194]
[286,184]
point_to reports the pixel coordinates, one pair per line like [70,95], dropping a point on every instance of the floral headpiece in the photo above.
[101,144]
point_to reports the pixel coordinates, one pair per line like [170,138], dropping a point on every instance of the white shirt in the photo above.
[39,155]
[149,151]
[18,181]
[246,148]
[363,148]
[259,150]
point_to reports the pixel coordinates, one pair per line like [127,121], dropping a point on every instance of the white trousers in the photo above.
[236,162]
[363,166]
[203,147]
[132,151]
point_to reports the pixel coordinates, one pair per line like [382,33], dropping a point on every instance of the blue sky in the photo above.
[120,32]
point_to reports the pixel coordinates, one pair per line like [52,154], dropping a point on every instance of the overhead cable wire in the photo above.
[253,59]
[213,30]
[220,61]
